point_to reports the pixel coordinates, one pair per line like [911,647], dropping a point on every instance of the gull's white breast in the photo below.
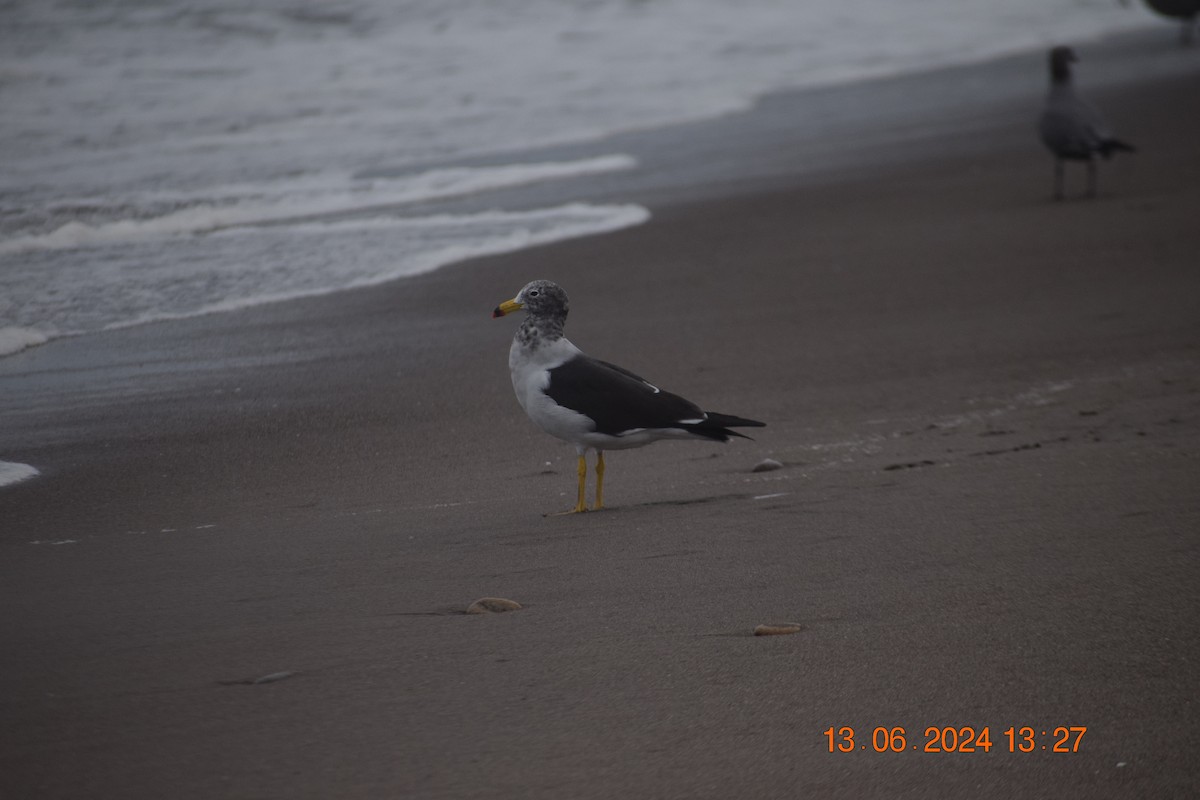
[530,370]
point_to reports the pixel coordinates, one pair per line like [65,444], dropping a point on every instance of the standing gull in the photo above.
[592,404]
[1071,128]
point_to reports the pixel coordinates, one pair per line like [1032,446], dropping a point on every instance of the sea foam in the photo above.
[171,254]
[425,244]
[309,196]
[185,275]
[12,472]
[14,340]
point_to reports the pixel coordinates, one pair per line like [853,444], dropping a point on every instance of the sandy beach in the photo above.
[987,408]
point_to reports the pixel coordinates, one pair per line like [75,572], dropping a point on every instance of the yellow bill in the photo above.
[507,307]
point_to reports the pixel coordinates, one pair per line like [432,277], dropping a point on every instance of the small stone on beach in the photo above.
[767,465]
[493,605]
[778,630]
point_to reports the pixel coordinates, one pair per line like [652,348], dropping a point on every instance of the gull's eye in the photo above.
[534,293]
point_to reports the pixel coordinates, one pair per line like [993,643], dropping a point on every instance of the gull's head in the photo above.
[538,298]
[1061,59]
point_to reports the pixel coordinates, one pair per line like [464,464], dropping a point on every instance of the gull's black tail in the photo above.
[717,426]
[1110,146]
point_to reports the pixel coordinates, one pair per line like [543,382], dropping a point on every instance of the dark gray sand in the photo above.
[245,568]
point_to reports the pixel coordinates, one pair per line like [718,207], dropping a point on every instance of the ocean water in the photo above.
[167,159]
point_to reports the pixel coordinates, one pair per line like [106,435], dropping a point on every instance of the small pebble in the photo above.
[778,630]
[493,605]
[767,465]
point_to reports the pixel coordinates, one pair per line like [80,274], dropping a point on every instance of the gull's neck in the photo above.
[1060,77]
[537,331]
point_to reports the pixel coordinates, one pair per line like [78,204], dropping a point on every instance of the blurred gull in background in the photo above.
[1187,11]
[1071,128]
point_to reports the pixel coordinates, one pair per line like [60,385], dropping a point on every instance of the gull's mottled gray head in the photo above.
[543,299]
[539,299]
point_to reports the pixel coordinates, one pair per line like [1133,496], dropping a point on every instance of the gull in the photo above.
[1186,11]
[590,403]
[1072,129]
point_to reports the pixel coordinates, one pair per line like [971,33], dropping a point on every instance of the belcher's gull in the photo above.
[1072,129]
[592,404]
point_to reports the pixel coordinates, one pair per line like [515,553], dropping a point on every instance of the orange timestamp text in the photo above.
[965,739]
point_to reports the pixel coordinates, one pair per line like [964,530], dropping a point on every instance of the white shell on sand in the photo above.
[493,605]
[274,676]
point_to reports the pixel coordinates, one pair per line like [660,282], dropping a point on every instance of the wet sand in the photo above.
[987,406]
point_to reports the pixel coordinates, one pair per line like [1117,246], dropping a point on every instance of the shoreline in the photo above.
[985,404]
[690,161]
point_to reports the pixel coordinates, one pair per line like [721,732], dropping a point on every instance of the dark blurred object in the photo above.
[1185,10]
[1071,128]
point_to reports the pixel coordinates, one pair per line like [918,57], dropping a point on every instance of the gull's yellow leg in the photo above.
[580,505]
[599,480]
